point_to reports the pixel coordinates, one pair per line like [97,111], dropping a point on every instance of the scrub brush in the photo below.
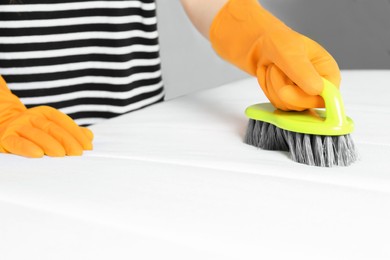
[315,137]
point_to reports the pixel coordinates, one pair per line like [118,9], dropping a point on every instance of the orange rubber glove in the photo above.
[287,64]
[38,131]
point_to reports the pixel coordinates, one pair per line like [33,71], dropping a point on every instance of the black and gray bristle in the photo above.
[315,150]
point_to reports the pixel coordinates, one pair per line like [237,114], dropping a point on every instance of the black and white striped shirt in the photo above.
[90,59]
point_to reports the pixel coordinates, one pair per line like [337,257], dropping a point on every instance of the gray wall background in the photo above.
[355,32]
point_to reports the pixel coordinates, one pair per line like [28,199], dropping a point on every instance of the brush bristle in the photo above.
[315,150]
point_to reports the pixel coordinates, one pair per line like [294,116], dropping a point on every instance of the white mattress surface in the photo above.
[175,181]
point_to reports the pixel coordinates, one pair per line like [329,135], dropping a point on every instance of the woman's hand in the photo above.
[290,69]
[288,65]
[38,131]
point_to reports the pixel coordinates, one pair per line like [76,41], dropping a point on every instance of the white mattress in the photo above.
[175,181]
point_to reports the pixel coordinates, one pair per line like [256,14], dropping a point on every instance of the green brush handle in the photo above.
[335,112]
[330,121]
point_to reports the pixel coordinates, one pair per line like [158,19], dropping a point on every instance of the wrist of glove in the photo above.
[287,64]
[38,131]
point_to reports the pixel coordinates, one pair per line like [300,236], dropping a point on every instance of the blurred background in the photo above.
[355,32]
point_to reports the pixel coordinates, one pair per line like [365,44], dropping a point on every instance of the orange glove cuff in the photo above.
[235,30]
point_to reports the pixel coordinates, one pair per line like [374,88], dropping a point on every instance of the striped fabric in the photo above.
[90,59]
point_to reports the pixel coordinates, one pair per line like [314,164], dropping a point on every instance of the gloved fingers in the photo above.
[301,71]
[88,132]
[263,77]
[66,123]
[49,145]
[292,96]
[295,97]
[289,51]
[20,146]
[261,73]
[326,65]
[30,142]
[67,141]
[2,150]
[274,80]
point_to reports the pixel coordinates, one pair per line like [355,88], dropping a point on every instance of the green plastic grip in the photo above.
[335,112]
[331,122]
